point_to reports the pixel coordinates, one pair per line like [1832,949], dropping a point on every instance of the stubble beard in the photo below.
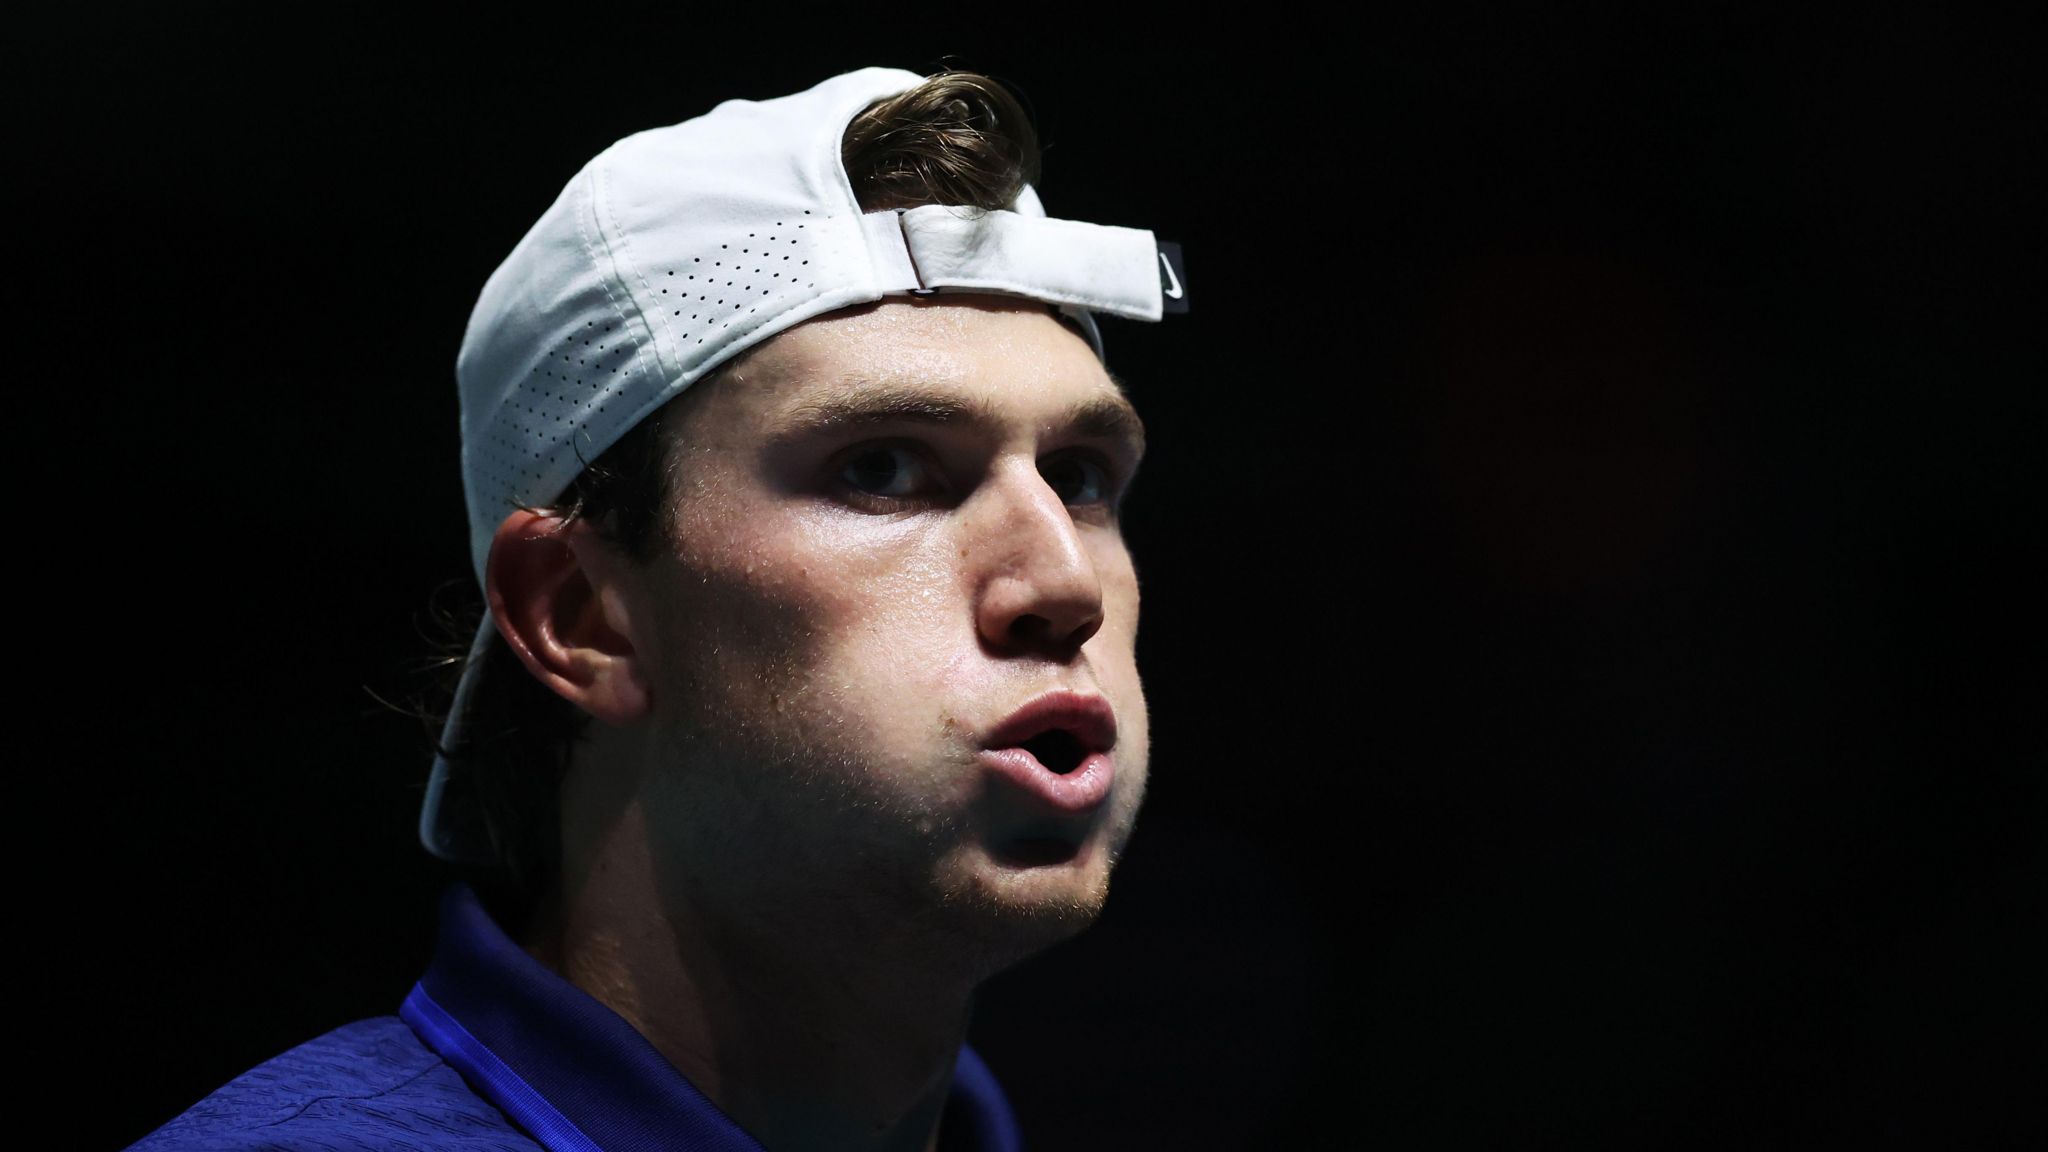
[784,820]
[773,804]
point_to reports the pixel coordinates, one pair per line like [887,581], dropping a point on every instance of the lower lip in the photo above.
[1082,790]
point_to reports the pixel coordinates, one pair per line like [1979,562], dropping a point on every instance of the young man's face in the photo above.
[896,526]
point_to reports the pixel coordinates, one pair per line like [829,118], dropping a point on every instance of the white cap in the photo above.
[677,248]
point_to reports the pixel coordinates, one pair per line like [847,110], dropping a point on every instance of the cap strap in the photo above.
[1095,266]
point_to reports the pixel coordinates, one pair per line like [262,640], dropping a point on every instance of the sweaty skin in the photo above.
[783,860]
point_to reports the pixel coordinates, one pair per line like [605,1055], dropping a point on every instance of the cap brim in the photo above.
[451,820]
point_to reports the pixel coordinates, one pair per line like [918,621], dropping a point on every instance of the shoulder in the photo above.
[369,1084]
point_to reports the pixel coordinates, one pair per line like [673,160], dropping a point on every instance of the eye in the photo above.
[1077,479]
[886,470]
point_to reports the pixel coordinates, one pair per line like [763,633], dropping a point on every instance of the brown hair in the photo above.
[959,138]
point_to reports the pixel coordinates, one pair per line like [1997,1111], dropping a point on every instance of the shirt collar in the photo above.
[578,1077]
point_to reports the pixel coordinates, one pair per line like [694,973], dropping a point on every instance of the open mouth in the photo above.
[1059,750]
[1053,755]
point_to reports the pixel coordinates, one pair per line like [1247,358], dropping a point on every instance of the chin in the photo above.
[1011,902]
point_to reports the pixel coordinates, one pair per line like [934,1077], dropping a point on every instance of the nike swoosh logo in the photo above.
[1175,290]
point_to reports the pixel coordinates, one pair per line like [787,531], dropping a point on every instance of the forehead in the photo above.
[997,354]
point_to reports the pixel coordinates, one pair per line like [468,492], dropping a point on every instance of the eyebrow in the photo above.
[859,402]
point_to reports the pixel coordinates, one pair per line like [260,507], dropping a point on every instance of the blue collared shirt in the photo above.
[494,1051]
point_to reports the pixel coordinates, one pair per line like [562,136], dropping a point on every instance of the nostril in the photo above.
[1039,630]
[1086,632]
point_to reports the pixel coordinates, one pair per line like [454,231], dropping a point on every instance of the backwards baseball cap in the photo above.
[676,249]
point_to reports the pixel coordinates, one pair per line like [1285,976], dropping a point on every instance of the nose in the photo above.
[1037,588]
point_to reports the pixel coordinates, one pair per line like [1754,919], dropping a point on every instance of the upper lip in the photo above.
[1089,719]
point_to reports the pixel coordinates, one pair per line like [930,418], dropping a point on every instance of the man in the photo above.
[807,697]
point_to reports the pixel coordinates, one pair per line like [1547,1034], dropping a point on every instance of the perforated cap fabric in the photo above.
[677,248]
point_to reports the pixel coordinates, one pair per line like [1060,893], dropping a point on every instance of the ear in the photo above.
[557,592]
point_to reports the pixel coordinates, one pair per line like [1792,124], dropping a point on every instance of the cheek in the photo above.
[731,648]
[891,590]
[1112,655]
[904,635]
[813,622]
[1117,641]
[745,609]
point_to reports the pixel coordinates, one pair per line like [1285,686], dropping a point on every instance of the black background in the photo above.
[1589,547]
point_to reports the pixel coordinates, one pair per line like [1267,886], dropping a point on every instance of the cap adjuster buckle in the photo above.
[911,253]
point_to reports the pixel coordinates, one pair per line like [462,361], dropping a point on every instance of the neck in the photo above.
[807,1037]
